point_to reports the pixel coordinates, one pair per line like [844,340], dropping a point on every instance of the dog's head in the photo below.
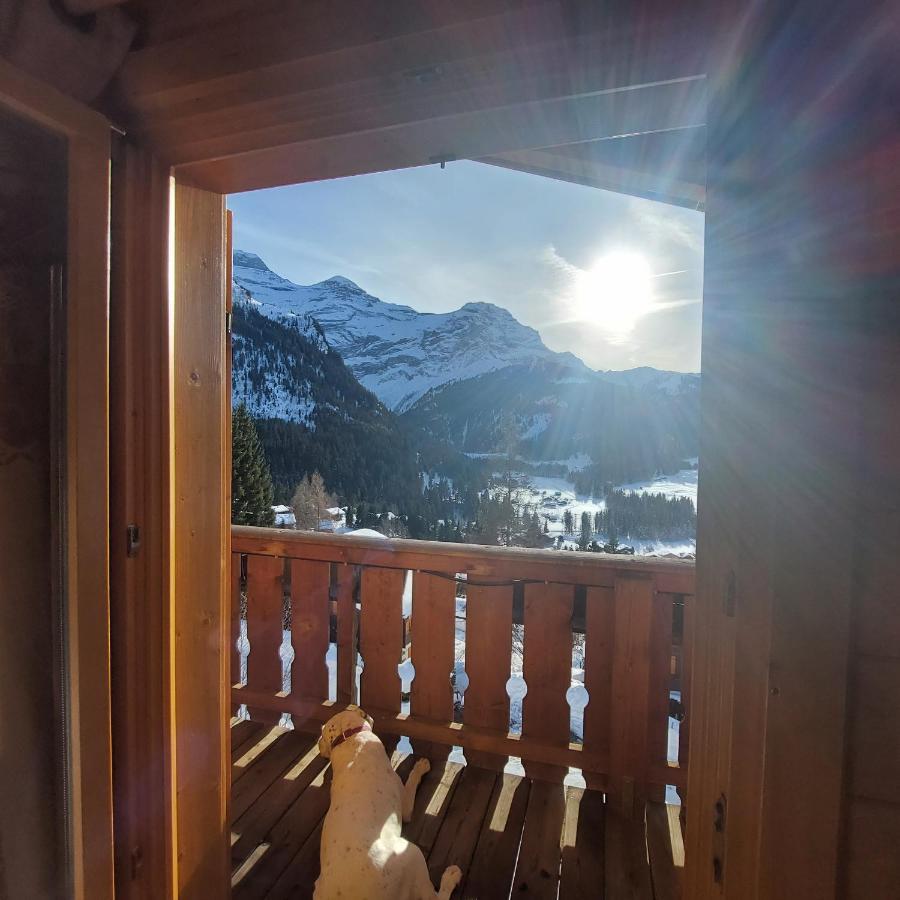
[340,725]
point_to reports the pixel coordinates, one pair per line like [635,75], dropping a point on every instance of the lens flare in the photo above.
[615,292]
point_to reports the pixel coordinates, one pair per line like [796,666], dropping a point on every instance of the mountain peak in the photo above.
[249,260]
[338,281]
[482,308]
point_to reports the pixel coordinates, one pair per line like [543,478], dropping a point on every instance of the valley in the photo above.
[459,425]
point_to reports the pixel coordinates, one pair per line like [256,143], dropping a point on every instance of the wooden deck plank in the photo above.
[266,767]
[537,871]
[666,850]
[627,869]
[432,802]
[491,871]
[455,842]
[290,832]
[241,734]
[253,827]
[508,834]
[298,880]
[253,750]
[582,869]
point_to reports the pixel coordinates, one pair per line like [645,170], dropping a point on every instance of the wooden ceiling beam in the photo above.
[666,182]
[470,135]
[391,86]
[258,36]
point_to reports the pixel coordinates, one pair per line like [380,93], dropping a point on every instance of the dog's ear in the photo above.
[325,747]
[369,719]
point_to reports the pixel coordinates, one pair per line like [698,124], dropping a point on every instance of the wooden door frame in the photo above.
[85,527]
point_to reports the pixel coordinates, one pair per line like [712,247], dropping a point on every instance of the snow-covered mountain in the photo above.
[311,412]
[396,352]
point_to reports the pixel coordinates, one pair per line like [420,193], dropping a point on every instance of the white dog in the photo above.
[363,854]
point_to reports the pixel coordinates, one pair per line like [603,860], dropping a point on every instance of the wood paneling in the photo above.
[201,631]
[140,496]
[547,669]
[872,862]
[310,92]
[874,741]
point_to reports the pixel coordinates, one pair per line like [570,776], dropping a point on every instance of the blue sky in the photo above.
[434,239]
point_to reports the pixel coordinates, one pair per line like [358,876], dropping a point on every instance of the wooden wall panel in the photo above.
[791,303]
[139,476]
[201,662]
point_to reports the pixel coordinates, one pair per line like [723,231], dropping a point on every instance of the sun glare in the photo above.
[616,292]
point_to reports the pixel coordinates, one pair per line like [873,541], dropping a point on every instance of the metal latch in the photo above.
[720,814]
[132,540]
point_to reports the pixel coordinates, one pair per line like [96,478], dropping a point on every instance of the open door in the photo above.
[55,699]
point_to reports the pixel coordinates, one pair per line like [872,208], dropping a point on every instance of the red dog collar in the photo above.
[346,735]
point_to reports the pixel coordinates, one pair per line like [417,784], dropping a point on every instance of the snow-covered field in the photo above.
[551,497]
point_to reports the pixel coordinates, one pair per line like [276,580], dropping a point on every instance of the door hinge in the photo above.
[720,817]
[729,600]
[132,540]
[228,318]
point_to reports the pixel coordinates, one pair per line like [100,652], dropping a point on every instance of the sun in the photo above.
[615,292]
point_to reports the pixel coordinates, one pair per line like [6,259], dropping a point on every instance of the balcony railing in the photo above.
[474,623]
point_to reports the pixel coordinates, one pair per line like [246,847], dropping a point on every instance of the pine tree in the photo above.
[568,522]
[584,539]
[251,481]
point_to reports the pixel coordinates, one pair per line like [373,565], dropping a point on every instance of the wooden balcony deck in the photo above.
[511,836]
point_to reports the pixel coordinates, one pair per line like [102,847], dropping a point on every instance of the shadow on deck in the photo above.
[511,836]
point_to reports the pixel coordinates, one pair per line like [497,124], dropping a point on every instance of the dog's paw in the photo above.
[451,877]
[422,767]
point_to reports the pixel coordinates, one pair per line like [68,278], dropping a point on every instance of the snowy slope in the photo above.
[396,352]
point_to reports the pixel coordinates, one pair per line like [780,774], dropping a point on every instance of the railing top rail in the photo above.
[493,563]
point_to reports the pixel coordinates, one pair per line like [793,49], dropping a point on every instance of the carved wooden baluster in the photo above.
[380,642]
[599,631]
[346,582]
[489,615]
[660,684]
[265,628]
[310,586]
[433,654]
[629,713]
[547,669]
